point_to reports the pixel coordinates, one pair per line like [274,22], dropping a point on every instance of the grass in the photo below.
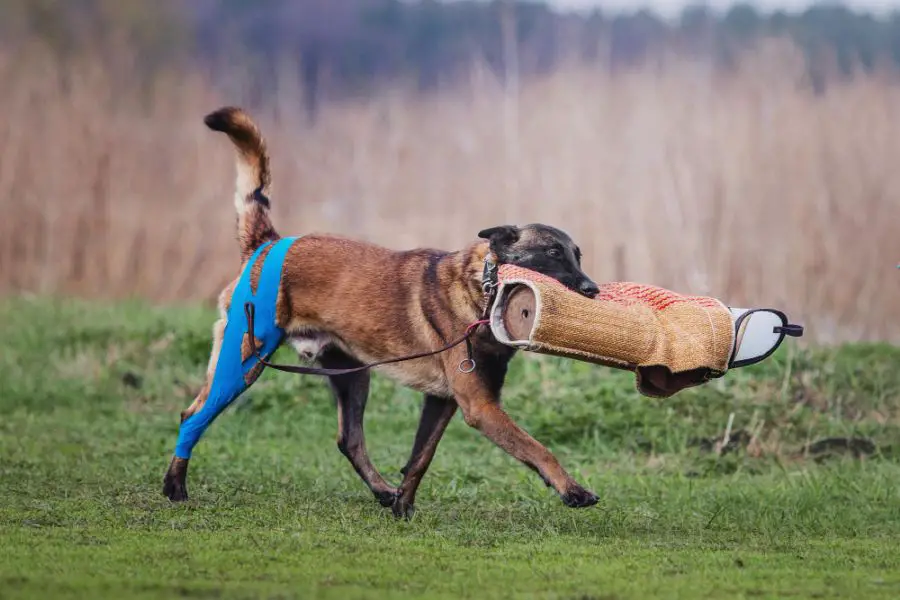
[90,396]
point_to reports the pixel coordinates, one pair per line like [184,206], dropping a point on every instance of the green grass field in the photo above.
[90,396]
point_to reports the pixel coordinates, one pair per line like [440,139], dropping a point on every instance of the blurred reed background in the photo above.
[753,183]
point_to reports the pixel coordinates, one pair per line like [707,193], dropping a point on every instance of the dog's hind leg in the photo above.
[175,480]
[351,393]
[202,413]
[436,415]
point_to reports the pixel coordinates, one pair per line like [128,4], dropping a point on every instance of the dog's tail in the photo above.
[253,185]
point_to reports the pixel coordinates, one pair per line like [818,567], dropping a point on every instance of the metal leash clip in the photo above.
[465,361]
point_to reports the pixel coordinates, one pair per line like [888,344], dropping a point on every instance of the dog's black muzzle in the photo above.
[588,288]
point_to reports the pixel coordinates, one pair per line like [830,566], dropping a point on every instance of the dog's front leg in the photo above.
[485,415]
[436,415]
[351,393]
[481,410]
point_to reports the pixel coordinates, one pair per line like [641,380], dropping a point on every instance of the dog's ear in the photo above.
[504,235]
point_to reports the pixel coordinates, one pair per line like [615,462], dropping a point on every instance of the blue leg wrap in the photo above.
[228,380]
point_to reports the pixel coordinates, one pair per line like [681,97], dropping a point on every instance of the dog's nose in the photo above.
[588,288]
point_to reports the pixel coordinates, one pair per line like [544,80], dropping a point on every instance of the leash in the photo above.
[467,365]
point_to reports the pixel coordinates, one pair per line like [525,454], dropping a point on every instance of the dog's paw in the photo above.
[578,497]
[173,489]
[387,497]
[403,509]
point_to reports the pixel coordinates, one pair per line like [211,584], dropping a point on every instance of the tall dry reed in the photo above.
[746,187]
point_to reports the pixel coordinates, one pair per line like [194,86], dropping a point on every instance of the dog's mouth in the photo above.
[587,294]
[588,291]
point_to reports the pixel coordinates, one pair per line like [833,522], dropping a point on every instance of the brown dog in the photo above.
[344,303]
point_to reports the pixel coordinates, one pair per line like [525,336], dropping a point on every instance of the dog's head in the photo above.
[541,248]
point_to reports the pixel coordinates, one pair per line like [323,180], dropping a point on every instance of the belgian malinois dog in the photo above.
[344,303]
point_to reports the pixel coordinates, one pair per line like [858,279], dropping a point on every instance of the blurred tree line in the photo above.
[345,46]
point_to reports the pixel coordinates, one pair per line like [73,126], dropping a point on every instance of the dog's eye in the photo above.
[554,253]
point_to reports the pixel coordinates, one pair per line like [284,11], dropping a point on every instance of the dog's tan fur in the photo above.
[343,302]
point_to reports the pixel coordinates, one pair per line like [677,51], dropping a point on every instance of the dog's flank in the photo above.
[253,181]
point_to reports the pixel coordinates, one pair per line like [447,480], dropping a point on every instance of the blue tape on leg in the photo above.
[228,380]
